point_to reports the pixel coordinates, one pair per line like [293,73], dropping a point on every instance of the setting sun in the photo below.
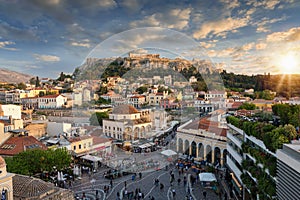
[288,64]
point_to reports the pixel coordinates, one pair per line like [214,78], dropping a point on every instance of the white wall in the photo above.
[55,128]
[12,110]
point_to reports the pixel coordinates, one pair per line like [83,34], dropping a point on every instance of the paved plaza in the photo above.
[92,187]
[150,166]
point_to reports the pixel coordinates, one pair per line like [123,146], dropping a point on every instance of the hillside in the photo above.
[13,77]
[151,65]
[95,68]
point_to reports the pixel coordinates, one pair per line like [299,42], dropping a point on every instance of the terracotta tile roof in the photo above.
[206,124]
[136,97]
[236,105]
[100,140]
[26,187]
[15,145]
[76,139]
[124,109]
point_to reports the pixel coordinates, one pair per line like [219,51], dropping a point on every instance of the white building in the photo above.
[137,101]
[216,94]
[77,98]
[52,101]
[127,123]
[11,110]
[193,79]
[56,128]
[203,105]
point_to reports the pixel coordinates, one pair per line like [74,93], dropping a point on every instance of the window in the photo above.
[84,146]
[79,147]
[74,148]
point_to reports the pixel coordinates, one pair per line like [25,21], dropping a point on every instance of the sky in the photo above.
[44,38]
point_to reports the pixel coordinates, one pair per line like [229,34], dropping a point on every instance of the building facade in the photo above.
[288,172]
[127,123]
[52,102]
[6,185]
[203,139]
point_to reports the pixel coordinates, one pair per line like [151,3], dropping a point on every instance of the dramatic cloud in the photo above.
[83,43]
[231,4]
[260,46]
[174,18]
[266,4]
[221,27]
[46,58]
[291,35]
[132,5]
[107,3]
[263,24]
[4,44]
[207,45]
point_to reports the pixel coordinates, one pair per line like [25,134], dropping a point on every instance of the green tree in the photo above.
[96,118]
[247,106]
[61,77]
[21,86]
[35,161]
[102,101]
[141,89]
[41,94]
[37,82]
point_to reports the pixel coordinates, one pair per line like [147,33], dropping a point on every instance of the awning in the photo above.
[207,177]
[169,152]
[53,141]
[146,145]
[91,158]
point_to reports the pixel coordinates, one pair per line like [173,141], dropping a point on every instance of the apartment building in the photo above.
[288,172]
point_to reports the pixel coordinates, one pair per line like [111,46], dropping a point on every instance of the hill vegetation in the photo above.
[182,70]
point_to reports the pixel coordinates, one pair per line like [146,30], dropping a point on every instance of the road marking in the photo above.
[169,191]
[155,186]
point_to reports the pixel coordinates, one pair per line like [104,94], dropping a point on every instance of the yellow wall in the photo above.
[34,93]
[3,136]
[36,130]
[86,145]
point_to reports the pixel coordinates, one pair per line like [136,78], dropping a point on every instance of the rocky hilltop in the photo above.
[9,76]
[95,68]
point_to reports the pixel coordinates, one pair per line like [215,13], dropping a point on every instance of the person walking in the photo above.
[204,194]
[162,186]
[178,181]
[173,193]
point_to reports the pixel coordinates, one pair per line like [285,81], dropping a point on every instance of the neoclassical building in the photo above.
[127,123]
[6,182]
[204,139]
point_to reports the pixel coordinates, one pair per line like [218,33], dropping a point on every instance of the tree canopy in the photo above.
[97,117]
[35,161]
[247,106]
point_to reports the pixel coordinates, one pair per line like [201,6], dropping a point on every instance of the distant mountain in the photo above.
[13,77]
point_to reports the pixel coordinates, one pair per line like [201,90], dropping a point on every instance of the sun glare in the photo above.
[288,64]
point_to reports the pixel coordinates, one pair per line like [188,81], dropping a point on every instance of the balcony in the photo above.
[234,168]
[236,140]
[234,154]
